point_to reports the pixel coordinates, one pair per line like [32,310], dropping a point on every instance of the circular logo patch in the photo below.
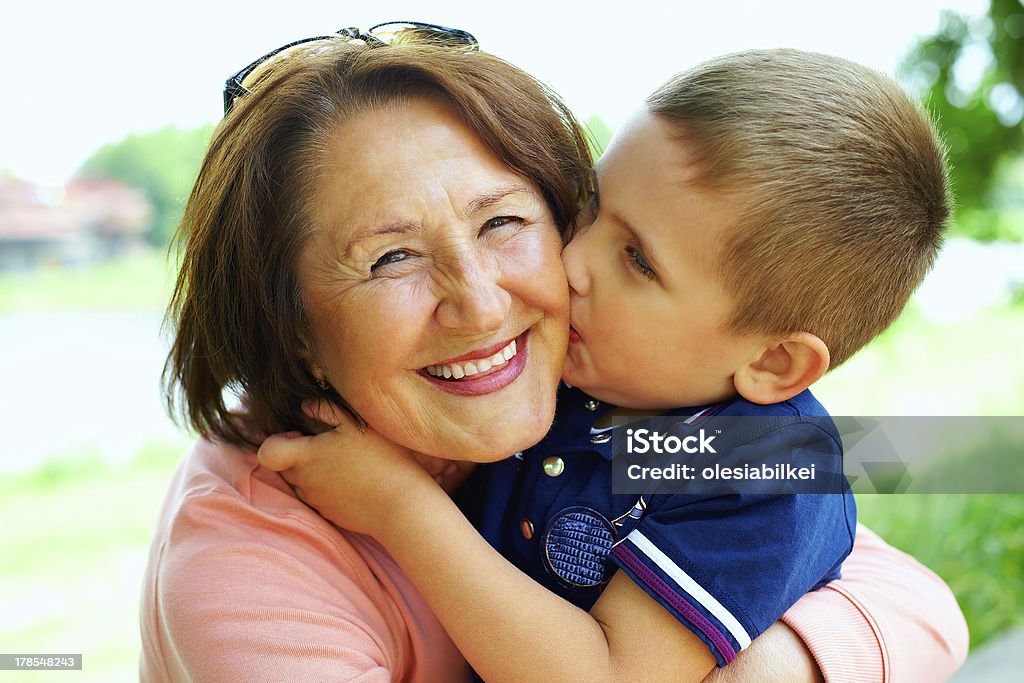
[576,546]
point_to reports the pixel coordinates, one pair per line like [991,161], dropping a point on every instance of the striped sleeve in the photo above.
[728,567]
[707,617]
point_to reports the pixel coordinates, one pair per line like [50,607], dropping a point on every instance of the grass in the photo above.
[922,367]
[76,534]
[140,281]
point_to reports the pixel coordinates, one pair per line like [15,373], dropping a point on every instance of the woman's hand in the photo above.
[354,477]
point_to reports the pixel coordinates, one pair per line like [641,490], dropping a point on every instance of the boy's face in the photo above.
[648,312]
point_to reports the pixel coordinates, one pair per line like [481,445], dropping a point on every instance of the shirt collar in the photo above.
[576,414]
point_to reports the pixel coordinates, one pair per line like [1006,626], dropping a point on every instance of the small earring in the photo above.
[322,383]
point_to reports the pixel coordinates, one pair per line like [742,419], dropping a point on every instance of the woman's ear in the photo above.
[310,359]
[783,370]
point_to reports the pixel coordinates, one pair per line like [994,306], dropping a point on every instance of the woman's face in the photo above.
[434,288]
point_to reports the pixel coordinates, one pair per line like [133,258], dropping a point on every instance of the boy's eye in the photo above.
[639,263]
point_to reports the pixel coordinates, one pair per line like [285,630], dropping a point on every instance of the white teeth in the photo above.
[460,370]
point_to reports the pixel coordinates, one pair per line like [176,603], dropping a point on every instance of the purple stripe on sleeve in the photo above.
[658,585]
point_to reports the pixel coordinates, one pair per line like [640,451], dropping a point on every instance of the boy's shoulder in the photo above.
[795,420]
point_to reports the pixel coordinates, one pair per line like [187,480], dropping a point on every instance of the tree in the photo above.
[161,163]
[971,73]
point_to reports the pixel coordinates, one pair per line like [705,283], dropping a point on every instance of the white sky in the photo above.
[79,74]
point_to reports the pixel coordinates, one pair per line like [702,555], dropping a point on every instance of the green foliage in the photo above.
[971,73]
[161,163]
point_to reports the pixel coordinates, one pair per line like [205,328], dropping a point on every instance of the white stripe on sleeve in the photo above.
[684,581]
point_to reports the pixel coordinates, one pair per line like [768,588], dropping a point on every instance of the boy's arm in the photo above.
[778,654]
[511,628]
[508,626]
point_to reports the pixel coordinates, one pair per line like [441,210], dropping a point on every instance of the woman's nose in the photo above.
[474,299]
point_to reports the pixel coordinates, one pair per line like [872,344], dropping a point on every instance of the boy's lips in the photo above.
[574,335]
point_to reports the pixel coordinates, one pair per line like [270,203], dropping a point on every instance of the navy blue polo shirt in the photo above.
[726,565]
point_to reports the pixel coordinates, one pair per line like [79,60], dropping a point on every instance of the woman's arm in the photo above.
[888,619]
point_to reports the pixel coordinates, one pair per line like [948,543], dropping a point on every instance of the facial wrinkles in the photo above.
[377,332]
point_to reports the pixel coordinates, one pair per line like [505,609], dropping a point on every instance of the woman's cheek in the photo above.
[537,255]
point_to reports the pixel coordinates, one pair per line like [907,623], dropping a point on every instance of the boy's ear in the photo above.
[783,369]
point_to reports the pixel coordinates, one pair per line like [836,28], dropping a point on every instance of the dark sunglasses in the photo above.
[391,33]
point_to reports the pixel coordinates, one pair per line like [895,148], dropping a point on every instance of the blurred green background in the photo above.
[77,504]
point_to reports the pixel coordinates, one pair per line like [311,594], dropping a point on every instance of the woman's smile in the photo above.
[479,373]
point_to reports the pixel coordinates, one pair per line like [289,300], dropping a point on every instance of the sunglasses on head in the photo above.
[390,33]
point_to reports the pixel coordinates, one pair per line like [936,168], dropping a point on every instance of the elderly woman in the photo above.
[287,292]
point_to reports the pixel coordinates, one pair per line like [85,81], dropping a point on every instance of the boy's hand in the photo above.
[450,474]
[356,478]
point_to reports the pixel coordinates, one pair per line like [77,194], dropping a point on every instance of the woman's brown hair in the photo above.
[237,306]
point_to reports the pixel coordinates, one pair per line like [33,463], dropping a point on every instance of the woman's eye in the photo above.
[501,221]
[639,262]
[393,256]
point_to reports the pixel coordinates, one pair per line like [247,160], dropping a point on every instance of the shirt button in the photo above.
[603,437]
[526,527]
[591,405]
[553,466]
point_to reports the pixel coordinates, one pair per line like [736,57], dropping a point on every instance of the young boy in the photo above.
[759,220]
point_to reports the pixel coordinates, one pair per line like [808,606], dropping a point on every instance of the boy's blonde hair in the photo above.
[842,185]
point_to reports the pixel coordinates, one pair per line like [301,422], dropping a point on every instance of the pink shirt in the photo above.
[888,619]
[246,583]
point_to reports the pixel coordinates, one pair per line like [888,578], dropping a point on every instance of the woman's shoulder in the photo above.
[220,494]
[237,559]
